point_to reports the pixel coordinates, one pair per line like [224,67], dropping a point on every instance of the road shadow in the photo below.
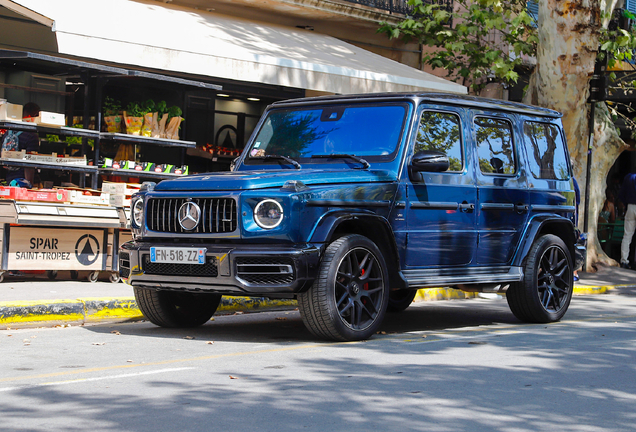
[287,325]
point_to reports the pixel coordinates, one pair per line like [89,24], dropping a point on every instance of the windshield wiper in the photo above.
[343,156]
[279,158]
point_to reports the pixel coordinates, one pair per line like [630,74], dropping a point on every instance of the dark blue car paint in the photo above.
[442,224]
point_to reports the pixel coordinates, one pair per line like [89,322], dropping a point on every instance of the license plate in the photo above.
[177,255]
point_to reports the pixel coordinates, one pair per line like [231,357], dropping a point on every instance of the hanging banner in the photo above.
[55,249]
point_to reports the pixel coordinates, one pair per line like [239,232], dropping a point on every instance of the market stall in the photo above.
[57,236]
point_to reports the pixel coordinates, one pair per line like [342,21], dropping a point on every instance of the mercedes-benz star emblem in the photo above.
[189,214]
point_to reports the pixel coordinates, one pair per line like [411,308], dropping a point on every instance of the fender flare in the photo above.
[545,224]
[367,223]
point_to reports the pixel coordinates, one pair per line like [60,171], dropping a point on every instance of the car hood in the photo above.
[247,180]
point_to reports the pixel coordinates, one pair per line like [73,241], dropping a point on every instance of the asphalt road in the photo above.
[438,366]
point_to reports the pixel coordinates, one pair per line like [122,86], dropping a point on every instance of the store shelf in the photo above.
[136,139]
[63,130]
[60,214]
[141,174]
[18,125]
[212,156]
[27,164]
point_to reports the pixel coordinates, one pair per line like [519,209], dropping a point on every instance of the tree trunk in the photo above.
[608,145]
[568,44]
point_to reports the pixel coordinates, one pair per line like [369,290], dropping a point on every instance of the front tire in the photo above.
[545,292]
[176,309]
[349,297]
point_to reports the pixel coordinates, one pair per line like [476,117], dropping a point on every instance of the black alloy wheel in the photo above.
[359,288]
[545,292]
[552,279]
[349,297]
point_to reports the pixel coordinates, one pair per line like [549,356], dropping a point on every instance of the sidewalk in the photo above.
[38,301]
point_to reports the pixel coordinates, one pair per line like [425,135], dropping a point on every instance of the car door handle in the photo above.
[466,207]
[521,208]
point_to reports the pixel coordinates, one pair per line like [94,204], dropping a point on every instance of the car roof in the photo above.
[443,98]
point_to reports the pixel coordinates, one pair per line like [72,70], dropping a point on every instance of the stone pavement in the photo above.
[34,300]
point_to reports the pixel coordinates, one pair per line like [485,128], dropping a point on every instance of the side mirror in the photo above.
[429,161]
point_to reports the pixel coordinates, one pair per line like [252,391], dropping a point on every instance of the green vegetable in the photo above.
[134,110]
[111,107]
[148,106]
[174,111]
[161,108]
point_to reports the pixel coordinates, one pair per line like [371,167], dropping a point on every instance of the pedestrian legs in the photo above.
[630,227]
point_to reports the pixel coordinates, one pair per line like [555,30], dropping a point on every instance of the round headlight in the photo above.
[138,212]
[268,214]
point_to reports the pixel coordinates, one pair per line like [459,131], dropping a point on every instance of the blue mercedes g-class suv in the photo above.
[350,204]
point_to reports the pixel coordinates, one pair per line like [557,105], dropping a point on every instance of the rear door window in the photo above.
[495,147]
[546,151]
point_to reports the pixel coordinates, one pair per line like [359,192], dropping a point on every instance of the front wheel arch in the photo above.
[372,226]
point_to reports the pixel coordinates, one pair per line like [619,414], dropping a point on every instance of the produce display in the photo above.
[111,194]
[148,119]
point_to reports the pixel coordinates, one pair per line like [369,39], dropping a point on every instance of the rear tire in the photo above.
[399,300]
[349,297]
[545,292]
[176,309]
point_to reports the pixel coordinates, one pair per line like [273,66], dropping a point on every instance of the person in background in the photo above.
[16,141]
[608,213]
[627,195]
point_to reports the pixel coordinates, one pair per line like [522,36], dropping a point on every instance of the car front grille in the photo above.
[124,264]
[209,269]
[218,215]
[265,270]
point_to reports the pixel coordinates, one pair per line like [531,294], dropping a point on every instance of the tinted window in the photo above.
[441,131]
[546,151]
[358,130]
[494,146]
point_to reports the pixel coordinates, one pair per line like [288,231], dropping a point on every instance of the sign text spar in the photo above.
[50,251]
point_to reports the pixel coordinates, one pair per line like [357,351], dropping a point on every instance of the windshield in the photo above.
[372,132]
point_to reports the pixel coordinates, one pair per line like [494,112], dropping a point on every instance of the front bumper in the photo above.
[237,269]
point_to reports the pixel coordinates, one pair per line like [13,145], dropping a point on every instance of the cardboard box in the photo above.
[9,111]
[9,192]
[119,200]
[55,159]
[50,119]
[44,195]
[78,197]
[126,189]
[18,155]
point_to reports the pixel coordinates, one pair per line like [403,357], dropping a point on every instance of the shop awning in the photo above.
[164,37]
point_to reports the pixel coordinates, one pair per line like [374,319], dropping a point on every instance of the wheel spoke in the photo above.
[354,264]
[368,292]
[344,310]
[370,313]
[547,296]
[354,319]
[368,268]
[343,275]
[344,296]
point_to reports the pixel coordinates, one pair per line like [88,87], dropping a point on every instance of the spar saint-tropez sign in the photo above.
[55,249]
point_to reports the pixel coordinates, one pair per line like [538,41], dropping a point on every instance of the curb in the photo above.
[94,310]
